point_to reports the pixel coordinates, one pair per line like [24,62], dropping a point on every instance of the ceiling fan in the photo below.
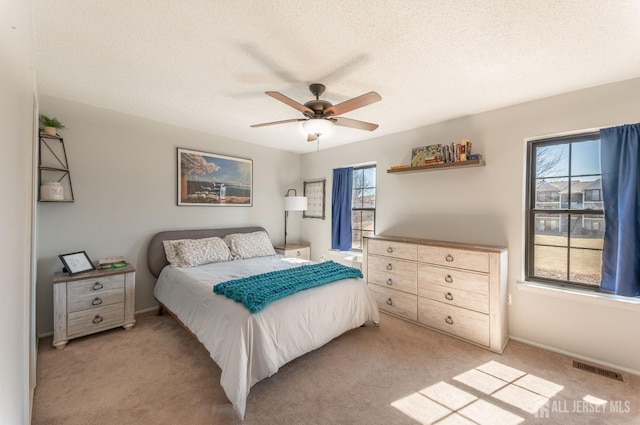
[321,116]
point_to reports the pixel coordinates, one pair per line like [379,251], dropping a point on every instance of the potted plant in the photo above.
[51,125]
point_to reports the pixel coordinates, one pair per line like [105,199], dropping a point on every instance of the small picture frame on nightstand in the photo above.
[76,262]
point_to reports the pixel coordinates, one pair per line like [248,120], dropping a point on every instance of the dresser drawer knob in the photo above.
[389,266]
[97,286]
[449,296]
[389,250]
[449,320]
[449,258]
[97,319]
[448,279]
[390,301]
[389,281]
[96,301]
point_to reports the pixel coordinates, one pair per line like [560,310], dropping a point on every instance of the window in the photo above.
[565,211]
[363,204]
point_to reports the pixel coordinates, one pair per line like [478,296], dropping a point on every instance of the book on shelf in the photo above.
[112,262]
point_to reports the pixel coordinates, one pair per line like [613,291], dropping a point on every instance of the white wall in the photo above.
[16,112]
[485,205]
[123,171]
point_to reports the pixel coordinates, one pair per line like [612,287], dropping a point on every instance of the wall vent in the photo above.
[597,370]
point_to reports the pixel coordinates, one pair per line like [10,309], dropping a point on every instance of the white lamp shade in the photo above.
[295,203]
[317,126]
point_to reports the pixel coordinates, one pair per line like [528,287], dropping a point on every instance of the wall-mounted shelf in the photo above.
[53,166]
[446,165]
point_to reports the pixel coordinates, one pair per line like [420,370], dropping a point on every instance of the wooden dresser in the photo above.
[92,302]
[459,289]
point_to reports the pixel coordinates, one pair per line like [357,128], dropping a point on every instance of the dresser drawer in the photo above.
[469,300]
[393,273]
[458,321]
[396,302]
[451,257]
[95,319]
[453,278]
[95,300]
[394,249]
[94,286]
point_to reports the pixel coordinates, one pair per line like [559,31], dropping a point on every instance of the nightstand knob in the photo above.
[298,253]
[97,286]
[96,301]
[97,319]
[449,320]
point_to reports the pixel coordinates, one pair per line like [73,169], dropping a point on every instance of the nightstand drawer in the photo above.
[94,286]
[395,302]
[303,252]
[102,298]
[94,320]
[458,321]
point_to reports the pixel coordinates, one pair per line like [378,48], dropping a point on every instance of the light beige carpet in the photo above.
[398,373]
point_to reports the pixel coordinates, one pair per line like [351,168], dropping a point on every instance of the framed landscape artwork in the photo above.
[209,179]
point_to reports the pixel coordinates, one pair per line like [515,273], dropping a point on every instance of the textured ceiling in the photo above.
[205,65]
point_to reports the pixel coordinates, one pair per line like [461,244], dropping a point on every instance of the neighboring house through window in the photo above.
[363,204]
[565,211]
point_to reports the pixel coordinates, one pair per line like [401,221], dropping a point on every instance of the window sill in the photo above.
[591,297]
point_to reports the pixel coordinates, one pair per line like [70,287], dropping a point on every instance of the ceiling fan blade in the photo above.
[351,104]
[312,137]
[284,99]
[360,125]
[264,124]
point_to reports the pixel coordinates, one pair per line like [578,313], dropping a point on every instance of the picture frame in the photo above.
[211,179]
[76,262]
[315,190]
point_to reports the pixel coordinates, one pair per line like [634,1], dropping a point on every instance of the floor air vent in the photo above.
[597,370]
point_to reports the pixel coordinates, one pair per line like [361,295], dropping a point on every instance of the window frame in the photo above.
[375,188]
[531,211]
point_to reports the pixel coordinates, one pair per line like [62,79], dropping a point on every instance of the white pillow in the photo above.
[170,252]
[249,245]
[196,252]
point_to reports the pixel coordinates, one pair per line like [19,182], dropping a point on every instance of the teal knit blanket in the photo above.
[255,292]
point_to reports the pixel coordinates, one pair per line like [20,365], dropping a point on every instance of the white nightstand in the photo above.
[294,250]
[92,302]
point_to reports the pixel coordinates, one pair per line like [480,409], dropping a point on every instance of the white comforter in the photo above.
[250,347]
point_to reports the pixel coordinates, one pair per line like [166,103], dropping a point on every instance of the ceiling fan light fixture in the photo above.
[317,126]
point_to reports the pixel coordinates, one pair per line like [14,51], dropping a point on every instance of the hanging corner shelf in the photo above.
[54,166]
[444,166]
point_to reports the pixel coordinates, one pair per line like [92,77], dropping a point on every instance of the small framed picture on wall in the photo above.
[314,190]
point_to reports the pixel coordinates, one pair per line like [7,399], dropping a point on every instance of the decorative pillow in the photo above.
[170,252]
[249,245]
[195,252]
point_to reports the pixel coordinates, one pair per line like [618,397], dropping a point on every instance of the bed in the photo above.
[250,347]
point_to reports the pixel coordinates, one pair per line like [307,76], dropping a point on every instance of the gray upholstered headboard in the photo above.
[156,258]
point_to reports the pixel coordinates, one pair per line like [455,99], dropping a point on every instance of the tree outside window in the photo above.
[363,205]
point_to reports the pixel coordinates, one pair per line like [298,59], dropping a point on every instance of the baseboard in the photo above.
[147,310]
[577,356]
